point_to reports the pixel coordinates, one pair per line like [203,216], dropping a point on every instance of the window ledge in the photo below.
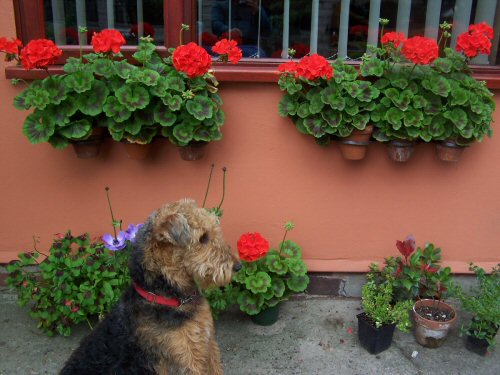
[248,72]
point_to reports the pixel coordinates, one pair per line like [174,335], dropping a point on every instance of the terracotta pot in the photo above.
[401,150]
[355,146]
[193,151]
[373,339]
[137,151]
[90,147]
[431,333]
[449,151]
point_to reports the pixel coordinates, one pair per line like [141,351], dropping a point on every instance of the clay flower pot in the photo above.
[90,147]
[373,339]
[193,151]
[449,151]
[137,151]
[400,150]
[355,146]
[432,333]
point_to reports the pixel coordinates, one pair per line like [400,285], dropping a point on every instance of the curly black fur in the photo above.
[113,347]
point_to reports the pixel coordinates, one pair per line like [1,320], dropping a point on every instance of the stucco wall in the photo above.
[347,214]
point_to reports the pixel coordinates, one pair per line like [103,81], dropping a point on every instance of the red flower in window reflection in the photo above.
[235,35]
[192,60]
[420,50]
[228,49]
[252,246]
[301,49]
[359,30]
[208,39]
[476,40]
[39,53]
[108,40]
[314,66]
[396,38]
[10,47]
[147,28]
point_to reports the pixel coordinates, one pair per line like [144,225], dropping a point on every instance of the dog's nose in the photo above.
[237,267]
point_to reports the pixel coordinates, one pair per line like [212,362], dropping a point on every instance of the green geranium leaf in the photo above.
[315,126]
[394,116]
[133,96]
[38,98]
[413,118]
[352,110]
[175,83]
[458,117]
[372,67]
[400,83]
[251,268]
[433,105]
[38,128]
[219,117]
[278,287]
[160,89]
[437,127]
[147,77]
[258,283]
[291,249]
[419,101]
[459,96]
[202,133]
[92,102]
[360,120]
[72,65]
[76,129]
[382,83]
[303,110]
[20,101]
[58,142]
[316,104]
[62,113]
[332,118]
[276,264]
[288,106]
[104,67]
[183,133]
[145,51]
[124,69]
[200,107]
[113,108]
[80,81]
[366,92]
[56,89]
[174,102]
[250,304]
[438,85]
[163,115]
[296,266]
[145,135]
[298,283]
[443,65]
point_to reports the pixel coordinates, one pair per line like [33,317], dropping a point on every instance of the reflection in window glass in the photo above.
[133,18]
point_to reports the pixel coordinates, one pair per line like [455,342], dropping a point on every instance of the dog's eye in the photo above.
[204,238]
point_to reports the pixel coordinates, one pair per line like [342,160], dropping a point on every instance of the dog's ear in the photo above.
[173,229]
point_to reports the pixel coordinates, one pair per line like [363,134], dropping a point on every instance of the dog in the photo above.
[162,323]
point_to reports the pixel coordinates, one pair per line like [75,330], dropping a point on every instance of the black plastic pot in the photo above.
[374,340]
[475,345]
[267,316]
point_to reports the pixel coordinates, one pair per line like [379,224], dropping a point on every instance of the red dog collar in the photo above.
[159,300]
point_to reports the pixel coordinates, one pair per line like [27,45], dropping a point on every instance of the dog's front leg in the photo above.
[214,364]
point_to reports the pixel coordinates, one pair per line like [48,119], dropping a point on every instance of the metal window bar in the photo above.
[313,44]
[461,19]
[110,13]
[373,22]
[59,23]
[140,20]
[81,21]
[403,18]
[432,18]
[286,29]
[343,28]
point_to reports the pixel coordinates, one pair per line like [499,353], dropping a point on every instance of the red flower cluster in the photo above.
[192,60]
[288,67]
[314,66]
[252,246]
[235,35]
[228,49]
[108,40]
[477,40]
[39,53]
[394,37]
[10,47]
[420,50]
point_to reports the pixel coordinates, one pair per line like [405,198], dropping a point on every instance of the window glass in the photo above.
[132,18]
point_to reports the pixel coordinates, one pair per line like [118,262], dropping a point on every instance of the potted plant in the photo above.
[194,107]
[433,321]
[483,301]
[467,105]
[381,315]
[268,276]
[328,106]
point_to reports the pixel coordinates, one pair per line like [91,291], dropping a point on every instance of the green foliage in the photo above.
[379,307]
[483,301]
[78,280]
[420,275]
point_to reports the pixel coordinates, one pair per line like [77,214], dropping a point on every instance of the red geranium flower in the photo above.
[420,50]
[192,60]
[252,246]
[475,41]
[10,47]
[407,246]
[39,53]
[288,67]
[314,66]
[228,49]
[108,40]
[482,28]
[235,35]
[394,37]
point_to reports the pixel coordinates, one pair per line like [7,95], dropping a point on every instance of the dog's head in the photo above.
[184,243]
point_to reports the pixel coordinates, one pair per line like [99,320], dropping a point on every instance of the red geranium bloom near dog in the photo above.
[475,41]
[394,37]
[228,49]
[314,66]
[192,60]
[108,40]
[420,50]
[252,246]
[39,53]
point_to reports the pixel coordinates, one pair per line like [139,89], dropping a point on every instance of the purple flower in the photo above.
[117,243]
[131,231]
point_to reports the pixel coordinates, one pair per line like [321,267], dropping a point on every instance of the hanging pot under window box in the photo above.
[449,151]
[90,147]
[400,150]
[374,340]
[355,146]
[433,321]
[137,151]
[267,316]
[192,151]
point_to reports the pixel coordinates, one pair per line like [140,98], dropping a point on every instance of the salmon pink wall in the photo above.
[347,214]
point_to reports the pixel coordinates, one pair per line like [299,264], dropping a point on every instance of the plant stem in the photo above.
[111,210]
[208,185]
[34,247]
[224,169]
[283,240]
[90,325]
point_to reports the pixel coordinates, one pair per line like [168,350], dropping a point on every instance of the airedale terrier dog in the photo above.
[162,324]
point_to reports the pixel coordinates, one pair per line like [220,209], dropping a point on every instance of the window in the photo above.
[264,28]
